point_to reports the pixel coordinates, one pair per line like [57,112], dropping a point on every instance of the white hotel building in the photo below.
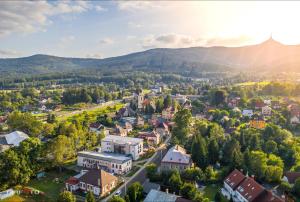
[123,145]
[113,163]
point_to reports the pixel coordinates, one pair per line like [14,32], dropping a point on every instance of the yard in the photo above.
[210,191]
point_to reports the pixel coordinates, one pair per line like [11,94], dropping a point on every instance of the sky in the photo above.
[100,29]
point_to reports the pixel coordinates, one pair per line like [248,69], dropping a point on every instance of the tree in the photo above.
[151,171]
[66,196]
[192,174]
[116,199]
[270,147]
[296,187]
[199,151]
[188,191]
[183,120]
[219,97]
[135,192]
[90,197]
[213,151]
[167,101]
[175,181]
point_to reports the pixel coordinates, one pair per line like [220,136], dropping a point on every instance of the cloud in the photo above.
[134,25]
[66,41]
[229,41]
[94,55]
[136,5]
[31,16]
[100,8]
[9,53]
[170,41]
[106,41]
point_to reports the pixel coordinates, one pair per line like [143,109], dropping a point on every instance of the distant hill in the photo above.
[267,56]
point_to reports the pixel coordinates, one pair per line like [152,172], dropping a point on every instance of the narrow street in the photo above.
[140,175]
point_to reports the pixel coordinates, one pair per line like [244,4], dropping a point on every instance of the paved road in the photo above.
[140,175]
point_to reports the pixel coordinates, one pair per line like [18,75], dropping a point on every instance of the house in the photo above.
[176,158]
[181,99]
[148,186]
[294,120]
[7,193]
[248,190]
[125,112]
[148,102]
[123,145]
[98,128]
[139,100]
[139,121]
[99,182]
[275,104]
[241,188]
[153,121]
[247,112]
[152,138]
[128,127]
[168,113]
[159,196]
[231,182]
[267,102]
[233,102]
[163,129]
[187,105]
[257,123]
[291,177]
[294,110]
[266,111]
[12,139]
[259,104]
[120,131]
[110,162]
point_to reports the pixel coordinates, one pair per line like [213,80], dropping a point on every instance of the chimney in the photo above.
[252,176]
[167,191]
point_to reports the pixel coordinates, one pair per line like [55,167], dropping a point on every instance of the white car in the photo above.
[118,193]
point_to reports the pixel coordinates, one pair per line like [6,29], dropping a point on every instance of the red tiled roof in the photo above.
[268,196]
[93,177]
[292,176]
[72,181]
[250,189]
[234,178]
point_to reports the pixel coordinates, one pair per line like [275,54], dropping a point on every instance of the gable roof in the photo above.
[177,154]
[268,196]
[13,138]
[155,196]
[98,178]
[292,176]
[250,189]
[234,178]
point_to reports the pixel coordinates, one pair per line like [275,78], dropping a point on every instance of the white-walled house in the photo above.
[123,145]
[266,110]
[113,163]
[247,112]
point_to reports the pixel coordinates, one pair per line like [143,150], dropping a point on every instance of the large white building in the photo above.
[113,163]
[123,145]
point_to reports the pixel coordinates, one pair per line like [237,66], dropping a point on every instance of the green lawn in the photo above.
[210,191]
[49,186]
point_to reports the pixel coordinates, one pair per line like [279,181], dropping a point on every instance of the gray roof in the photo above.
[177,154]
[13,138]
[105,156]
[122,140]
[159,196]
[148,186]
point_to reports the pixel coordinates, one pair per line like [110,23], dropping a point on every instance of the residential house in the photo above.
[247,112]
[120,131]
[233,102]
[257,123]
[99,182]
[12,139]
[275,104]
[291,177]
[267,102]
[181,99]
[266,111]
[153,138]
[294,120]
[168,113]
[6,194]
[125,112]
[98,128]
[241,188]
[110,162]
[259,104]
[139,100]
[148,186]
[187,105]
[123,145]
[176,158]
[159,196]
[139,121]
[163,129]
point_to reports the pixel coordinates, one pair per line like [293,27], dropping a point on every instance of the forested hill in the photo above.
[267,56]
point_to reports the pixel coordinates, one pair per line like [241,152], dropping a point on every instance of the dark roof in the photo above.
[97,178]
[149,185]
[250,189]
[234,178]
[292,176]
[268,196]
[72,180]
[3,140]
[180,199]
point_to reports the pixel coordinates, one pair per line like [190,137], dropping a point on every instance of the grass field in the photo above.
[210,191]
[263,83]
